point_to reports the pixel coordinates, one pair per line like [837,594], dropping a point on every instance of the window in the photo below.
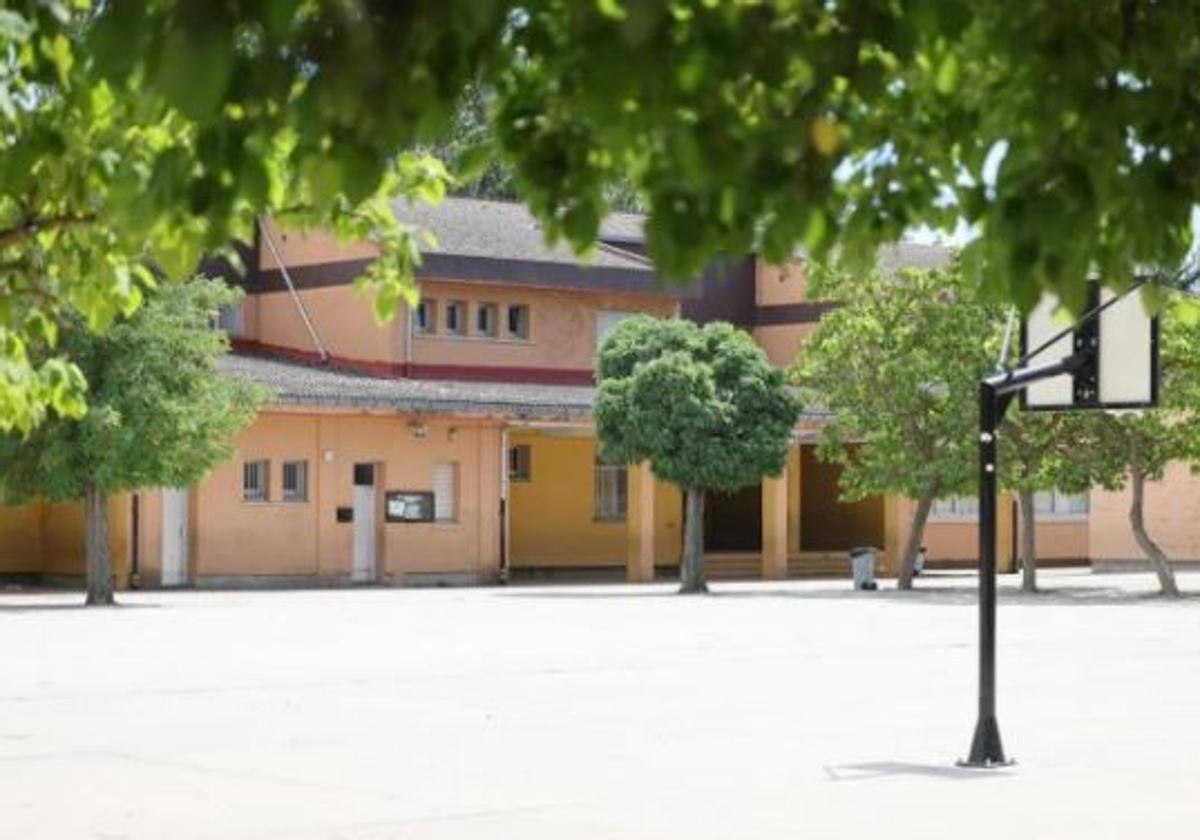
[254,481]
[1057,503]
[956,507]
[445,492]
[485,319]
[520,463]
[606,322]
[425,319]
[611,491]
[295,481]
[455,310]
[518,321]
[229,319]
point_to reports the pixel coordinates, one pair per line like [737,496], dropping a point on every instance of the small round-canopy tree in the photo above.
[702,405]
[159,414]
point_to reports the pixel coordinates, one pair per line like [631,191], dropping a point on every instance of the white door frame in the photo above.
[364,565]
[174,536]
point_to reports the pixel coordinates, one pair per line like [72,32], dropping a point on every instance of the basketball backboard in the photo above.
[1122,343]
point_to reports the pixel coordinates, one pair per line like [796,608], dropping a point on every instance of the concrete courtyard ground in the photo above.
[795,710]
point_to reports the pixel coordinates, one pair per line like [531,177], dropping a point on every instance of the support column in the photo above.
[639,524]
[775,526]
[1005,562]
[895,514]
[794,483]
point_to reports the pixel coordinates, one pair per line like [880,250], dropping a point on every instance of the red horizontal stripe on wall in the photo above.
[393,370]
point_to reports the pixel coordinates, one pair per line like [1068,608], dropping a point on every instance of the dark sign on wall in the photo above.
[408,506]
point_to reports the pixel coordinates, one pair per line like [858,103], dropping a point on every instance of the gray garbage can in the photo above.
[862,566]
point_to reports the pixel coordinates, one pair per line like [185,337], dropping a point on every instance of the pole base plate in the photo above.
[986,749]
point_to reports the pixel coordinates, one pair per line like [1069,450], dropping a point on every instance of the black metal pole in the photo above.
[986,749]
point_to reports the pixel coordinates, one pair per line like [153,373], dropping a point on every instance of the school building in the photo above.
[456,445]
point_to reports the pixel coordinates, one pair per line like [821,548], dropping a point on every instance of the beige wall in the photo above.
[779,285]
[343,318]
[311,248]
[1172,511]
[781,342]
[234,537]
[562,331]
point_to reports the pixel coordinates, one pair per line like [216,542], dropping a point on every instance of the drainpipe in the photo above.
[504,505]
[287,279]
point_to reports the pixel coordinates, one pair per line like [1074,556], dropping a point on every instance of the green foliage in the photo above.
[898,363]
[701,404]
[159,413]
[139,133]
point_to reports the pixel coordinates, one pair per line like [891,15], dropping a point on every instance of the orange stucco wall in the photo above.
[234,537]
[1172,512]
[311,247]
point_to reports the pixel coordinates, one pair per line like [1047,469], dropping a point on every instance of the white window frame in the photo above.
[258,490]
[1055,504]
[459,308]
[298,494]
[607,320]
[523,319]
[426,311]
[955,509]
[445,483]
[489,312]
[610,492]
[515,473]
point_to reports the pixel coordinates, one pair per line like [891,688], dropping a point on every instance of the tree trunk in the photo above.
[99,570]
[691,566]
[1137,521]
[1028,542]
[916,532]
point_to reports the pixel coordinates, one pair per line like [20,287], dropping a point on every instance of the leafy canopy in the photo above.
[142,133]
[898,364]
[701,404]
[160,414]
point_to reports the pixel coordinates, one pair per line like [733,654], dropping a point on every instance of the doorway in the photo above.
[733,521]
[363,568]
[174,536]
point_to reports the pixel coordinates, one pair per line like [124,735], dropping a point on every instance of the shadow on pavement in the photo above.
[868,770]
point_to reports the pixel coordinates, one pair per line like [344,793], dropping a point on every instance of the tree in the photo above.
[151,131]
[159,415]
[898,362]
[1039,452]
[702,405]
[1129,449]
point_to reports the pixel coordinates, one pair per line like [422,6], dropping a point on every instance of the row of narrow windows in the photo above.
[450,317]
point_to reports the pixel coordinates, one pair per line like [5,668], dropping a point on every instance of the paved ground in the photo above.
[791,711]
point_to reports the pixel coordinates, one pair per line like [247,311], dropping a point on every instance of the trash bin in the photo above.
[919,561]
[862,567]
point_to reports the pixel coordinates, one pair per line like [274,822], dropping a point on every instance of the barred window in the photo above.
[518,321]
[455,318]
[295,481]
[611,489]
[425,320]
[254,481]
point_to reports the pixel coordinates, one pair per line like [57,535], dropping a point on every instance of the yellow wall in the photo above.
[551,520]
[48,538]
